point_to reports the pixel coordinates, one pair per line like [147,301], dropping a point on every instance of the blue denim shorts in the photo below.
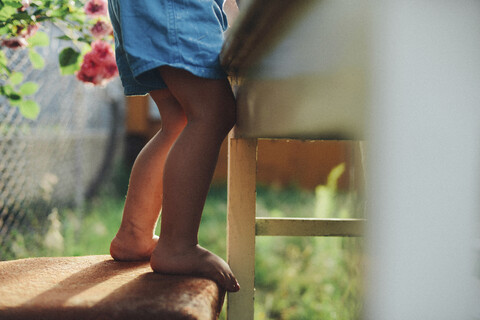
[185,34]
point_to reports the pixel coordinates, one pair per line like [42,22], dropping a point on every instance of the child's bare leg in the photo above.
[210,109]
[135,239]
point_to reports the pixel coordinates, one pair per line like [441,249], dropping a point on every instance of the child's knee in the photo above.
[174,123]
[173,116]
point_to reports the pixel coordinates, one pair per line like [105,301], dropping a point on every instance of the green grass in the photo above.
[295,277]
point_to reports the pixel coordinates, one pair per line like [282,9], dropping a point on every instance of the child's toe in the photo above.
[233,285]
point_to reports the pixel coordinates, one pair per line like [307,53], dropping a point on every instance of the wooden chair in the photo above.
[300,67]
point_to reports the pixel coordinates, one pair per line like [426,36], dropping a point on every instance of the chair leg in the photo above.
[242,156]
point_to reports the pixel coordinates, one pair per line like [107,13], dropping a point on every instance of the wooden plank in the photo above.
[241,224]
[309,227]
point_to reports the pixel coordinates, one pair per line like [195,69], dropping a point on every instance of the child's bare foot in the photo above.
[127,246]
[193,261]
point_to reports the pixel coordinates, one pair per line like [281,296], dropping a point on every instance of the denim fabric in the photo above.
[186,34]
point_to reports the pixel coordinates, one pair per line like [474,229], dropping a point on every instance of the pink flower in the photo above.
[98,65]
[103,52]
[15,43]
[30,31]
[25,5]
[84,77]
[101,29]
[110,70]
[96,8]
[90,66]
[90,71]
[20,41]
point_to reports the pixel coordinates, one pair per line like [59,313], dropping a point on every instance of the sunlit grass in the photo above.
[309,277]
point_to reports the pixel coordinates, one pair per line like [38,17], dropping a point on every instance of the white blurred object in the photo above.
[424,160]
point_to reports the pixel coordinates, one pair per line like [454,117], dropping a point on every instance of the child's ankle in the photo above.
[128,229]
[175,244]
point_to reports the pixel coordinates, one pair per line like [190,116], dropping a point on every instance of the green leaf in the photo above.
[3,59]
[4,30]
[14,98]
[16,78]
[86,48]
[37,60]
[29,109]
[68,56]
[64,37]
[69,61]
[85,39]
[4,72]
[6,12]
[58,13]
[28,88]
[23,15]
[12,3]
[78,16]
[7,90]
[39,39]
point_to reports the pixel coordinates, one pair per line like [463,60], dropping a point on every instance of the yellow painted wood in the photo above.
[242,156]
[309,227]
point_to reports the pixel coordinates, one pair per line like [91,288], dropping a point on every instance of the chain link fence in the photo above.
[61,158]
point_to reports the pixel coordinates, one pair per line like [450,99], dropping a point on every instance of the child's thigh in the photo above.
[199,95]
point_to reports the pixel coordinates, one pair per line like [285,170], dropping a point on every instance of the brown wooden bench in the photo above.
[97,287]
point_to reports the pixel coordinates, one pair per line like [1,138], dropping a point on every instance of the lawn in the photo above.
[295,277]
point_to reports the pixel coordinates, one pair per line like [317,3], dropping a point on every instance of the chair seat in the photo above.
[97,287]
[304,107]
